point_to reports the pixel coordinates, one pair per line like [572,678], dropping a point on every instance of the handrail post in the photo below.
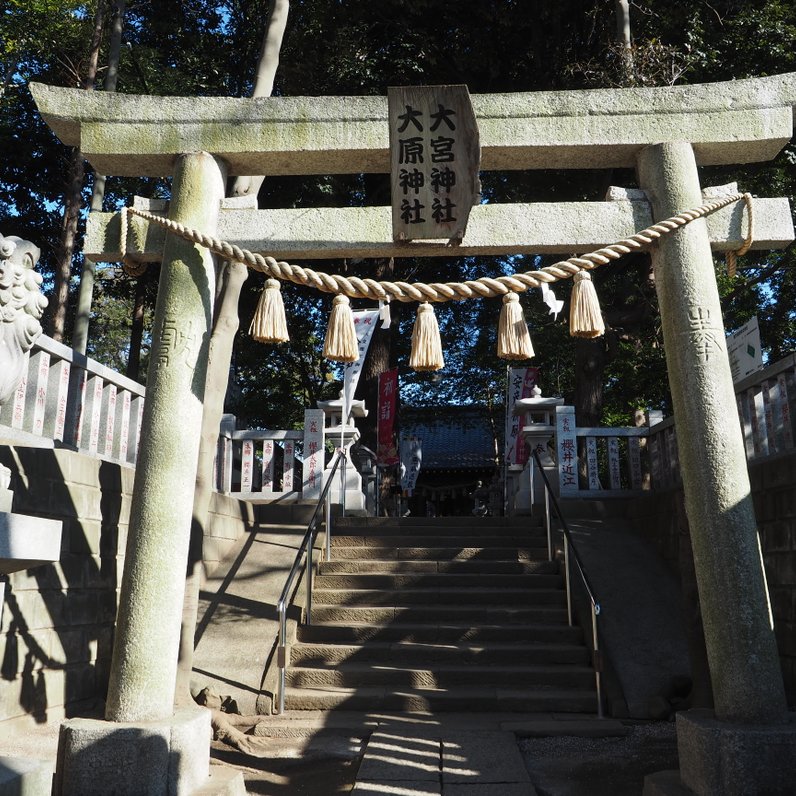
[567,580]
[306,548]
[597,660]
[327,510]
[343,464]
[308,601]
[547,523]
[282,656]
[531,490]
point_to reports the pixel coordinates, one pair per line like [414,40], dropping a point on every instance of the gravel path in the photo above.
[570,766]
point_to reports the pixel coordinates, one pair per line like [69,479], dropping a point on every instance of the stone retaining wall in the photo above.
[661,518]
[57,625]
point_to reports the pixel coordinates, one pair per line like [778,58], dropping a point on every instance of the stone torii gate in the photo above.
[749,746]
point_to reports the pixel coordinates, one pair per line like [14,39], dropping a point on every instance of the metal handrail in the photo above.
[307,544]
[569,546]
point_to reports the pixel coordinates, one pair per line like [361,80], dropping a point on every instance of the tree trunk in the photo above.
[220,355]
[623,38]
[589,365]
[73,198]
[267,65]
[66,245]
[377,360]
[8,74]
[221,342]
[590,357]
[85,293]
[137,329]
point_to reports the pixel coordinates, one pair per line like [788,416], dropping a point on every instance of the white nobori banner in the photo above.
[365,322]
[411,458]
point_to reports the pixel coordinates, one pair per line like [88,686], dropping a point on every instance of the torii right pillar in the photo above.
[748,746]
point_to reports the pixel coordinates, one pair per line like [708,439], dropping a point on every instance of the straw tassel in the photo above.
[585,317]
[341,336]
[514,340]
[426,346]
[269,324]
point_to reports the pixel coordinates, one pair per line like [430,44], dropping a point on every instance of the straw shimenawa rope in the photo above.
[485,287]
[131,266]
[732,257]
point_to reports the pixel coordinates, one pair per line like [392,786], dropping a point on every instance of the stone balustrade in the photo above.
[613,460]
[766,402]
[259,465]
[68,400]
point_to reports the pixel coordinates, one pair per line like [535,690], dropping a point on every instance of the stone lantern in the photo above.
[537,429]
[342,432]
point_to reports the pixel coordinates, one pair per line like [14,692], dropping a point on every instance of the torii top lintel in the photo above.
[740,121]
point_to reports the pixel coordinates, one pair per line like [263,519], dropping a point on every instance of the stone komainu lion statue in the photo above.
[21,306]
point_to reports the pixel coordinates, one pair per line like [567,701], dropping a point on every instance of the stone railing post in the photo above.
[746,676]
[567,451]
[312,471]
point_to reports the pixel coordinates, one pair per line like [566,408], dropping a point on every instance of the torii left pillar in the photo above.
[144,746]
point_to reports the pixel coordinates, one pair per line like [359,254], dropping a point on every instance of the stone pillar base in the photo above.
[20,776]
[665,783]
[721,759]
[170,757]
[223,782]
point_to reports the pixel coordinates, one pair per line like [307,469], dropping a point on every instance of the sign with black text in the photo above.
[744,351]
[435,157]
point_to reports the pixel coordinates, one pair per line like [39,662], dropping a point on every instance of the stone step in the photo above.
[372,581]
[435,540]
[410,653]
[437,522]
[374,566]
[354,675]
[348,633]
[504,614]
[438,596]
[440,700]
[424,615]
[440,553]
[437,530]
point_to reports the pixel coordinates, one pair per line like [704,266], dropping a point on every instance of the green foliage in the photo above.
[200,48]
[47,41]
[112,313]
[273,384]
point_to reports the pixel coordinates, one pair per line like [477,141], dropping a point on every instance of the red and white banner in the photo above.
[521,384]
[387,454]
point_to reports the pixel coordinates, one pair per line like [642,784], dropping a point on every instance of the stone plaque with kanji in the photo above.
[435,157]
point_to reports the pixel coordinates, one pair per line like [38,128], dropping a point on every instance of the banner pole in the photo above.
[505,444]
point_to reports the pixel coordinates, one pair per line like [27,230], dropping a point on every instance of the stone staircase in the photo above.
[442,614]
